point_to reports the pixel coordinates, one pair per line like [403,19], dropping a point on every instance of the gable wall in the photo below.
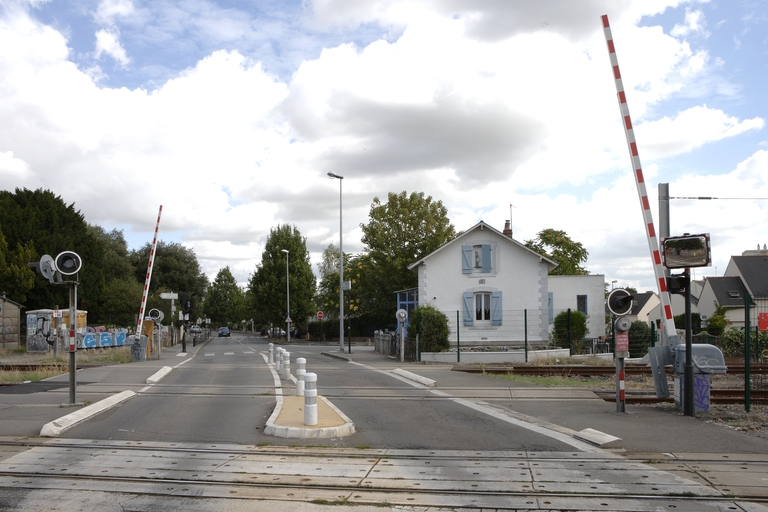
[516,272]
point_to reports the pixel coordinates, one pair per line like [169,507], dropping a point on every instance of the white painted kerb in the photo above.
[56,427]
[413,377]
[162,372]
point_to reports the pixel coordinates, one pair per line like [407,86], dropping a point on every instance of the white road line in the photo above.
[183,362]
[229,353]
[207,355]
[181,354]
[145,389]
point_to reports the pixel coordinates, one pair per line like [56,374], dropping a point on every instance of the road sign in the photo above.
[622,342]
[319,315]
[171,296]
[56,313]
[346,285]
[288,320]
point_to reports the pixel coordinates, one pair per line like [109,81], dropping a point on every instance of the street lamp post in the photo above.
[288,298]
[341,270]
[613,283]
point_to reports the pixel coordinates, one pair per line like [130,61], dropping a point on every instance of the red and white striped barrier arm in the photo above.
[149,275]
[653,244]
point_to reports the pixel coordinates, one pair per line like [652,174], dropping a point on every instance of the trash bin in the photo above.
[707,360]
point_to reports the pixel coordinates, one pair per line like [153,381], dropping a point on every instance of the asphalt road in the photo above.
[226,394]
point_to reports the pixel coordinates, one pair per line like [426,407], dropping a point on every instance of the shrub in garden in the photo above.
[432,327]
[559,334]
[639,338]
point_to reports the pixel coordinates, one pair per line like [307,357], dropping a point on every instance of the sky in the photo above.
[230,115]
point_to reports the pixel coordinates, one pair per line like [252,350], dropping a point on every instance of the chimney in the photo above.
[507,229]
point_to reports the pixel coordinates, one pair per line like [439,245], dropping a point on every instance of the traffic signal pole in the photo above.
[72,341]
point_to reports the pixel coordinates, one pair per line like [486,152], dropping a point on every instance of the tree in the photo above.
[175,269]
[328,289]
[556,245]
[399,233]
[576,326]
[118,290]
[40,220]
[223,302]
[267,285]
[16,277]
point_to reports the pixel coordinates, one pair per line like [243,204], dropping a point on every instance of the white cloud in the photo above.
[108,10]
[695,23]
[473,109]
[691,129]
[108,42]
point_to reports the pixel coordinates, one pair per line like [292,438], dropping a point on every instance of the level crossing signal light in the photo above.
[68,263]
[678,283]
[620,302]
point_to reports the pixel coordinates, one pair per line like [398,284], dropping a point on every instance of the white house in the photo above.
[492,288]
[585,294]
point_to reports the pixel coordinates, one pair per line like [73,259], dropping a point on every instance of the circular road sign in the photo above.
[319,315]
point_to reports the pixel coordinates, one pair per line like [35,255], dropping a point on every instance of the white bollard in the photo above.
[279,360]
[287,365]
[300,372]
[310,399]
[271,353]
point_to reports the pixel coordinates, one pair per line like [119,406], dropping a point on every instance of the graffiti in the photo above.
[38,332]
[701,385]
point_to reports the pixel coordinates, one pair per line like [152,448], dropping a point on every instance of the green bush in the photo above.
[432,328]
[559,334]
[732,343]
[639,338]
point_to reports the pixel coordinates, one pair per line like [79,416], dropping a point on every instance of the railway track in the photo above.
[567,370]
[491,480]
[717,396]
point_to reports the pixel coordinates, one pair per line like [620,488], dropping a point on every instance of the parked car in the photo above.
[224,332]
[195,329]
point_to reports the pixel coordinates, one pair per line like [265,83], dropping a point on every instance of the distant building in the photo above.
[495,285]
[10,322]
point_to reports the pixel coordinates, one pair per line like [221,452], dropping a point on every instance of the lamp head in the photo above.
[284,250]
[332,176]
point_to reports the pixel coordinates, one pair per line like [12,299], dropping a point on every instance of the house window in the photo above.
[482,306]
[581,304]
[476,258]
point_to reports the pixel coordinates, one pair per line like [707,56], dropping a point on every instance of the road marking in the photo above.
[181,354]
[229,353]
[206,355]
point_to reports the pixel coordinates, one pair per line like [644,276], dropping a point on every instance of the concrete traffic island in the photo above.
[287,420]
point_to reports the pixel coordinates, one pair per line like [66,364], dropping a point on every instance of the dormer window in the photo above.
[734,294]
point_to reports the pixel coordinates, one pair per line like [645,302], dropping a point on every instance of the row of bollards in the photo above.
[306,383]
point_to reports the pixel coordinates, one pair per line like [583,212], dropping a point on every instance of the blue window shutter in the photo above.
[495,308]
[486,259]
[466,259]
[550,307]
[469,309]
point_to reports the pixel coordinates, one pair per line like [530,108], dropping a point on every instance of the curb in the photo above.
[272,429]
[336,356]
[158,375]
[413,377]
[56,427]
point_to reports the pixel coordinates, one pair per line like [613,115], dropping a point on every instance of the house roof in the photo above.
[729,291]
[6,299]
[639,300]
[754,270]
[482,226]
